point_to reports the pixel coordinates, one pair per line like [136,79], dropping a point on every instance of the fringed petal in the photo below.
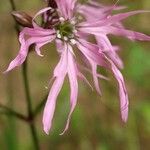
[112,19]
[133,35]
[66,8]
[108,49]
[59,73]
[72,74]
[59,45]
[122,91]
[95,77]
[43,42]
[42,11]
[94,11]
[28,37]
[82,77]
[91,51]
[51,103]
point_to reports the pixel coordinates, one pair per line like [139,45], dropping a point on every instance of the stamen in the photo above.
[65,38]
[61,19]
[80,18]
[73,22]
[58,34]
[65,30]
[73,41]
[52,10]
[75,31]
[71,36]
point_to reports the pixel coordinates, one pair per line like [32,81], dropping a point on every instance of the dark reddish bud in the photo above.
[52,3]
[22,18]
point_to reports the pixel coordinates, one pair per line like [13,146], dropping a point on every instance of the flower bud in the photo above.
[22,18]
[52,3]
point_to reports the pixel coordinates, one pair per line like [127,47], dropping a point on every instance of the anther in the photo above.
[80,18]
[61,19]
[73,22]
[65,38]
[73,41]
[75,31]
[59,36]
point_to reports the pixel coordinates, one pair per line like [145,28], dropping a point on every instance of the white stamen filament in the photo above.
[49,18]
[57,32]
[73,22]
[74,31]
[80,17]
[73,41]
[52,10]
[65,38]
[71,36]
[71,50]
[61,19]
[59,36]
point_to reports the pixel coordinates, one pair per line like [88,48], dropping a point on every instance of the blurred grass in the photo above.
[95,124]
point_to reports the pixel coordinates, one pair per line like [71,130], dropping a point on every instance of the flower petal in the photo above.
[81,76]
[112,19]
[60,73]
[51,103]
[122,91]
[42,11]
[91,51]
[128,33]
[59,45]
[38,39]
[108,49]
[62,65]
[95,77]
[94,11]
[72,74]
[66,8]
[37,31]
[43,42]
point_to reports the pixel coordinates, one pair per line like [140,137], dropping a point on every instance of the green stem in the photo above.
[29,107]
[26,86]
[40,106]
[27,93]
[13,7]
[7,110]
[12,4]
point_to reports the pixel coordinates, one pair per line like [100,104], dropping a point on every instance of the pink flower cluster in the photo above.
[69,24]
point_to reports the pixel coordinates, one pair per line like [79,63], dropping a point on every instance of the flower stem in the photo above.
[29,107]
[26,85]
[40,106]
[27,93]
[9,111]
[13,7]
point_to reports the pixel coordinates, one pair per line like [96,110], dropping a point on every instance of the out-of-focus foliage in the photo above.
[96,123]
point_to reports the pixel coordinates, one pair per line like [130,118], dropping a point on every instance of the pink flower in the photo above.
[64,27]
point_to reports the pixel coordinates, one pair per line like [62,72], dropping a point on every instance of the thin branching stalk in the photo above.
[27,92]
[6,110]
[40,106]
[13,7]
[29,107]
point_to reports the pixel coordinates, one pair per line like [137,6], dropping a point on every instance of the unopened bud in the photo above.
[52,3]
[22,18]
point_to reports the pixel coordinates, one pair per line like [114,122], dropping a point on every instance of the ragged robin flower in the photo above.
[69,24]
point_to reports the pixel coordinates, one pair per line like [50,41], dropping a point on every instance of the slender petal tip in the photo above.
[46,130]
[125,115]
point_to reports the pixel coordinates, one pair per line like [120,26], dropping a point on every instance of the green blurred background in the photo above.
[96,123]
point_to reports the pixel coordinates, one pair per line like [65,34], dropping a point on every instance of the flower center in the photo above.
[65,30]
